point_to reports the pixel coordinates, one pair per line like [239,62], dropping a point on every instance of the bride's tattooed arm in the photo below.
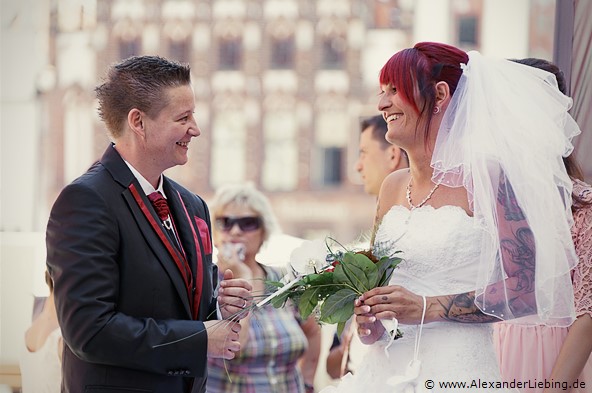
[518,260]
[462,308]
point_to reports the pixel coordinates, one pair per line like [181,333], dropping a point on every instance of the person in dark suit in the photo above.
[135,283]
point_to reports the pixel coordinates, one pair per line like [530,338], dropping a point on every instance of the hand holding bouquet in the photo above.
[328,281]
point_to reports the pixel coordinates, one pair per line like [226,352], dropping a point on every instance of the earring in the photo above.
[436,110]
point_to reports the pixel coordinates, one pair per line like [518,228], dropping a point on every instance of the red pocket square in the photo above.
[204,233]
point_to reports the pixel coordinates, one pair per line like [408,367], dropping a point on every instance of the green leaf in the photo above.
[279,301]
[338,307]
[274,284]
[308,301]
[386,266]
[340,327]
[318,279]
[324,282]
[358,271]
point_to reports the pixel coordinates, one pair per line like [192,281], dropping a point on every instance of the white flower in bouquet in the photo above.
[310,257]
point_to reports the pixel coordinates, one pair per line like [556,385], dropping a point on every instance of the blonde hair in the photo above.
[246,195]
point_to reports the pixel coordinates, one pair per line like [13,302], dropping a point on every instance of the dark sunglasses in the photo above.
[246,224]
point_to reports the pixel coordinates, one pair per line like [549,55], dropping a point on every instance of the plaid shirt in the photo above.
[268,361]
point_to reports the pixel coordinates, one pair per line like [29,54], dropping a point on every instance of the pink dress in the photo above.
[41,371]
[527,351]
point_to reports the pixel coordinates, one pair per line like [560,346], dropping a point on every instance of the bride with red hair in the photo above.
[482,217]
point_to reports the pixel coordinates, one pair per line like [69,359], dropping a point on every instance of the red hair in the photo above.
[417,70]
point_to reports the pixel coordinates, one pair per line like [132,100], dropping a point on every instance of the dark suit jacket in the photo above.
[122,304]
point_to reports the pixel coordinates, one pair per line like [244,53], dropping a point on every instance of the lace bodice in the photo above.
[582,236]
[439,248]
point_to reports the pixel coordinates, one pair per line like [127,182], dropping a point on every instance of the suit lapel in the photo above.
[183,225]
[149,224]
[188,233]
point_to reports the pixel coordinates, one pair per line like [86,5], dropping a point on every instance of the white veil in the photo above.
[504,134]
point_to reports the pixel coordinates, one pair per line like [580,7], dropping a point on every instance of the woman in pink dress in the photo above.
[41,359]
[548,358]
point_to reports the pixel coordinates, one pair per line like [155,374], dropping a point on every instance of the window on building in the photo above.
[282,53]
[229,141]
[179,50]
[467,30]
[331,138]
[280,165]
[129,48]
[333,53]
[332,159]
[230,54]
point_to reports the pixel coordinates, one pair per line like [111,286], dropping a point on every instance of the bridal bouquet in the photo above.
[328,281]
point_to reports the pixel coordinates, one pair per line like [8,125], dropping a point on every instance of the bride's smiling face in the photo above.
[399,115]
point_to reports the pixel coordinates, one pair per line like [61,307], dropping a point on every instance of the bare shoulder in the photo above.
[398,178]
[392,191]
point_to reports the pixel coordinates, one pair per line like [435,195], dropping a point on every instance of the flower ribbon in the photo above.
[406,382]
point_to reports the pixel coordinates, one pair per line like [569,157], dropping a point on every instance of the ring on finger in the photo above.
[245,304]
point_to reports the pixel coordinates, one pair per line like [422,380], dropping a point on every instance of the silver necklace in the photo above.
[408,195]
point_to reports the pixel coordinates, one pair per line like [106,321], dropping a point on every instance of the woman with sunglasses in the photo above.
[279,351]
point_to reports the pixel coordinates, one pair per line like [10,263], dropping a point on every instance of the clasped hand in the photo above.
[234,299]
[381,303]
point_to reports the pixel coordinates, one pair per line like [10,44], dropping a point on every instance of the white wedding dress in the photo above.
[440,247]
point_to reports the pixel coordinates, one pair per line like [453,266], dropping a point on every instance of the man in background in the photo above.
[377,159]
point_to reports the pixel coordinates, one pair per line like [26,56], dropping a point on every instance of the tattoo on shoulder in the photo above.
[521,253]
[507,198]
[376,223]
